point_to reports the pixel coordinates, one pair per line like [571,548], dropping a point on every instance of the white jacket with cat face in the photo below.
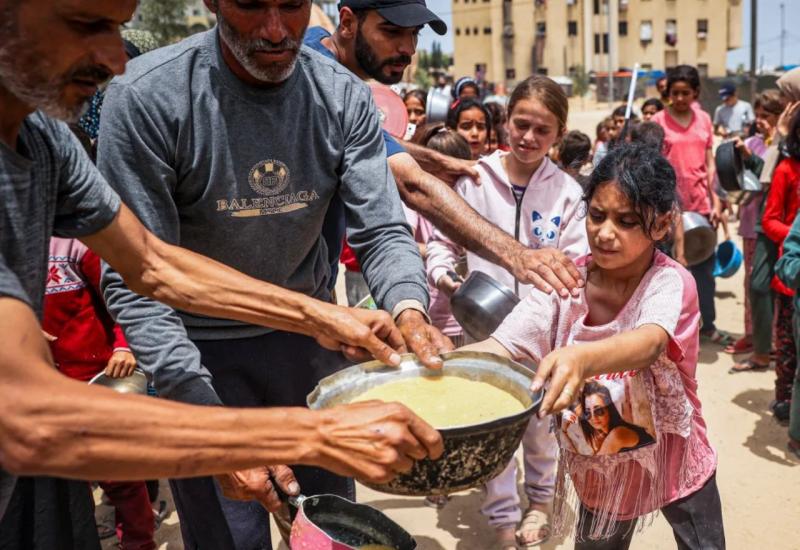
[550,214]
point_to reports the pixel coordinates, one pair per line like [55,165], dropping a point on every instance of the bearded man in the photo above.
[52,425]
[234,143]
[376,39]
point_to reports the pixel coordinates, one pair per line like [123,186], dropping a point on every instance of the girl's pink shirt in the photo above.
[686,149]
[439,303]
[666,297]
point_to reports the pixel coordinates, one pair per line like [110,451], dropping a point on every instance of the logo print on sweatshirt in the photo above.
[269,177]
[545,232]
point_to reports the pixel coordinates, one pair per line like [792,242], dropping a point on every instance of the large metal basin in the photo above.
[472,454]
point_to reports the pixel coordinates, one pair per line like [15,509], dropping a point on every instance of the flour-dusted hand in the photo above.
[423,339]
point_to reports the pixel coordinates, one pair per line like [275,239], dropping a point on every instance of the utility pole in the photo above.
[753,47]
[783,30]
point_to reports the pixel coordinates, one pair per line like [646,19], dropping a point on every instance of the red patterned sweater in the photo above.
[74,311]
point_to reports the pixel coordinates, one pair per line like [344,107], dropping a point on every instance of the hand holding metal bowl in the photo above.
[135,383]
[473,454]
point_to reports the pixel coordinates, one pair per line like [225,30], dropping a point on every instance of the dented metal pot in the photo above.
[472,454]
[330,522]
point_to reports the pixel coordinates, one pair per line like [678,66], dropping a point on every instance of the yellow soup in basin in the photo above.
[445,401]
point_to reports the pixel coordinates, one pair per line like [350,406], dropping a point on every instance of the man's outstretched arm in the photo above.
[54,425]
[547,268]
[188,281]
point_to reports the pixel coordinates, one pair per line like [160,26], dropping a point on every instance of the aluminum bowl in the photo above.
[699,238]
[480,304]
[135,383]
[472,454]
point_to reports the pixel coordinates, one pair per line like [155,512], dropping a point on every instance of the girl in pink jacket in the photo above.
[527,195]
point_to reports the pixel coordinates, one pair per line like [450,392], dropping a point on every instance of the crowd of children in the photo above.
[630,443]
[620,434]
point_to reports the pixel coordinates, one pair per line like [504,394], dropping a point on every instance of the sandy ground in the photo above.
[759,480]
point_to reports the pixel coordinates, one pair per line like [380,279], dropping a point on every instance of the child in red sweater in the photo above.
[779,214]
[85,341]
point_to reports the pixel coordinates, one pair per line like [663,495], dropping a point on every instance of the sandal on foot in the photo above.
[747,365]
[742,345]
[534,521]
[718,337]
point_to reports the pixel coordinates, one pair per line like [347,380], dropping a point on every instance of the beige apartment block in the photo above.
[507,40]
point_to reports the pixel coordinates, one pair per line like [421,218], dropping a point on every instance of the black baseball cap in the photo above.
[403,13]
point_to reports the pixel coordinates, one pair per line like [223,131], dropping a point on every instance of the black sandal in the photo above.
[747,366]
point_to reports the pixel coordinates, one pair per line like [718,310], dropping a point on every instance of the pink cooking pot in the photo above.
[329,522]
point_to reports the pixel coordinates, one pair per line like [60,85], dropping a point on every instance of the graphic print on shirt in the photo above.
[544,232]
[268,178]
[63,275]
[612,415]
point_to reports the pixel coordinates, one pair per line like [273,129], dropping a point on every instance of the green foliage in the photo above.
[580,81]
[422,78]
[164,18]
[436,56]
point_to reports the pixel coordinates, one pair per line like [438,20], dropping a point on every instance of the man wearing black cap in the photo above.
[734,116]
[376,39]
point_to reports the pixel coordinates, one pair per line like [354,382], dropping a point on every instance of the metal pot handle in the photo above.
[455,276]
[292,503]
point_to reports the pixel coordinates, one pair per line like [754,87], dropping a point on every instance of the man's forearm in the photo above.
[57,426]
[451,214]
[428,159]
[188,281]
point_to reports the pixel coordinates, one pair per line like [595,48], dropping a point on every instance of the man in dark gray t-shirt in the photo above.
[235,146]
[52,425]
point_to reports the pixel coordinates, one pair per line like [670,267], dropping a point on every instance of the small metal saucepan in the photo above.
[480,304]
[330,522]
[699,238]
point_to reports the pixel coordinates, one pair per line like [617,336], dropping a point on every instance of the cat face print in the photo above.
[544,232]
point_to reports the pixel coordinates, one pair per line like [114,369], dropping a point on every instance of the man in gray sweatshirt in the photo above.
[233,143]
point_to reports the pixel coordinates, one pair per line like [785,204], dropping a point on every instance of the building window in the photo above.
[601,43]
[487,30]
[475,31]
[646,31]
[702,69]
[511,74]
[541,70]
[458,31]
[467,31]
[702,28]
[541,29]
[671,35]
[597,7]
[623,28]
[572,28]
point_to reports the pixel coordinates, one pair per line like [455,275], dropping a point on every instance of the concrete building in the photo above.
[506,40]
